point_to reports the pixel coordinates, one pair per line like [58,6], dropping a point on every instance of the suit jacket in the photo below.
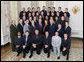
[26,28]
[47,41]
[66,43]
[40,29]
[37,40]
[52,29]
[21,14]
[45,12]
[68,31]
[55,13]
[63,24]
[20,28]
[56,41]
[56,24]
[68,14]
[61,32]
[32,29]
[19,41]
[28,42]
[61,13]
[46,28]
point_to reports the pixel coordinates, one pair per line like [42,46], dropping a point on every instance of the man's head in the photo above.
[65,35]
[33,9]
[27,33]
[36,31]
[42,13]
[47,33]
[53,9]
[23,8]
[59,26]
[49,8]
[59,8]
[66,23]
[56,33]
[13,22]
[19,34]
[62,18]
[28,8]
[66,9]
[44,8]
[38,8]
[20,21]
[27,21]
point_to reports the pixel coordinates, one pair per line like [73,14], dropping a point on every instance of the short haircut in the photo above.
[36,29]
[26,31]
[66,8]
[59,7]
[67,22]
[54,7]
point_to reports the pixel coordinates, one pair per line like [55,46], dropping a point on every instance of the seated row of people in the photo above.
[37,42]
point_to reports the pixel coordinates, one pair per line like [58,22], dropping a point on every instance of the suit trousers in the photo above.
[47,50]
[57,51]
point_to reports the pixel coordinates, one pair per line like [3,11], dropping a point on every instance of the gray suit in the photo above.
[26,28]
[56,43]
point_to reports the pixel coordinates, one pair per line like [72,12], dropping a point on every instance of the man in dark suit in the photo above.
[13,33]
[49,10]
[44,10]
[60,30]
[47,43]
[53,10]
[62,22]
[39,26]
[67,29]
[20,27]
[52,27]
[26,43]
[28,11]
[38,10]
[18,43]
[32,28]
[36,43]
[66,43]
[68,14]
[60,11]
[22,12]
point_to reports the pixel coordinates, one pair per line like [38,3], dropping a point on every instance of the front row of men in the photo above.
[38,42]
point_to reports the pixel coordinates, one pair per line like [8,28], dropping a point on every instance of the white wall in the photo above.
[25,4]
[76,21]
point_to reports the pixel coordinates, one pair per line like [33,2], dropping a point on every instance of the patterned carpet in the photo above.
[76,54]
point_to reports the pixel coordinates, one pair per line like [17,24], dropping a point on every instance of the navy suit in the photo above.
[68,31]
[47,41]
[45,12]
[66,43]
[20,28]
[38,41]
[40,28]
[52,29]
[19,41]
[27,43]
[21,14]
[61,32]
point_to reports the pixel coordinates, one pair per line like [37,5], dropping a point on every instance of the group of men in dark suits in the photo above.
[36,29]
